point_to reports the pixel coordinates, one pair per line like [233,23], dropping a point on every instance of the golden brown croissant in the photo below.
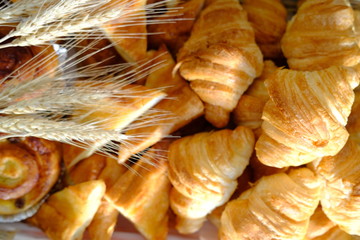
[321,35]
[203,171]
[142,193]
[181,106]
[175,33]
[306,115]
[66,214]
[249,109]
[268,18]
[119,31]
[221,58]
[322,228]
[341,199]
[29,169]
[277,207]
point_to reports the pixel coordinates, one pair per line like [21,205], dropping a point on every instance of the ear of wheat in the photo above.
[68,17]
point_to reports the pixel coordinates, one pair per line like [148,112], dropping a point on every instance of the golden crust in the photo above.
[70,210]
[304,118]
[268,18]
[321,35]
[142,193]
[31,167]
[341,198]
[277,207]
[203,170]
[221,61]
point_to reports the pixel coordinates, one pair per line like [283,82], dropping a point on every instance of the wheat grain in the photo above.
[125,14]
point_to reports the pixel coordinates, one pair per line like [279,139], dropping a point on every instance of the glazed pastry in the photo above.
[305,119]
[175,33]
[180,107]
[221,58]
[320,35]
[119,31]
[70,210]
[268,18]
[340,200]
[203,171]
[249,109]
[30,167]
[142,193]
[276,207]
[353,125]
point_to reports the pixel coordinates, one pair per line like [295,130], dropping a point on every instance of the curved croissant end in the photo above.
[341,197]
[222,61]
[203,169]
[306,115]
[320,35]
[277,207]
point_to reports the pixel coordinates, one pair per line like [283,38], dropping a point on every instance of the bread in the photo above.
[70,210]
[268,18]
[340,200]
[304,119]
[221,58]
[320,35]
[276,207]
[30,168]
[203,169]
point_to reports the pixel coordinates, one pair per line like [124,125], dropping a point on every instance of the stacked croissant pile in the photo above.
[176,113]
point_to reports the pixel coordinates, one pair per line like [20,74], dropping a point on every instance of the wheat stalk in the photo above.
[83,21]
[53,12]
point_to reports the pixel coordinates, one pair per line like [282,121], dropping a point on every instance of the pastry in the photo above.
[221,58]
[203,169]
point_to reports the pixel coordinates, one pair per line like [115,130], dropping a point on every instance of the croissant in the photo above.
[70,210]
[305,118]
[320,35]
[220,61]
[142,193]
[119,31]
[249,109]
[30,167]
[203,169]
[321,228]
[268,18]
[276,207]
[175,33]
[340,200]
[181,106]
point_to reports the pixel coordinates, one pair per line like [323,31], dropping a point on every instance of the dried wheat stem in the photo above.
[62,131]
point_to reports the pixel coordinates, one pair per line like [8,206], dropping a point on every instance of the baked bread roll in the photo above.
[249,109]
[180,107]
[66,214]
[305,118]
[142,193]
[30,167]
[268,18]
[203,171]
[276,207]
[221,58]
[320,35]
[341,200]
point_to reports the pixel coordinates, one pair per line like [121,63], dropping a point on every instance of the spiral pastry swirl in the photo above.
[29,168]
